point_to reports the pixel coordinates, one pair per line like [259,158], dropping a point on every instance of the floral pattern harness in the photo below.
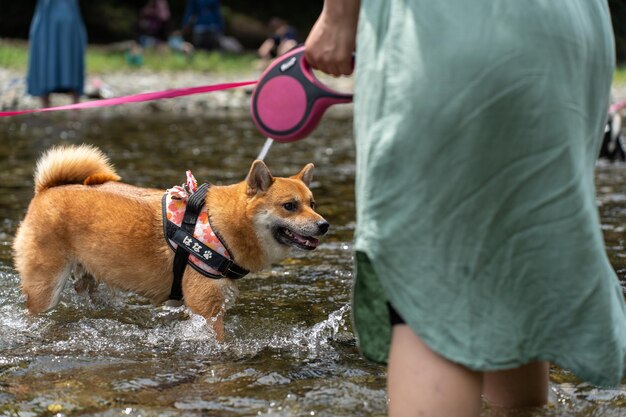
[204,245]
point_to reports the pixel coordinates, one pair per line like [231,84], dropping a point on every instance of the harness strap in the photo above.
[194,205]
[208,256]
[189,245]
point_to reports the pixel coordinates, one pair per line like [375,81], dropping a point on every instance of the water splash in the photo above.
[322,332]
[311,340]
[113,323]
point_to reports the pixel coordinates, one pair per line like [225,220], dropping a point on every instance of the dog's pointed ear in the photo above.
[259,178]
[306,174]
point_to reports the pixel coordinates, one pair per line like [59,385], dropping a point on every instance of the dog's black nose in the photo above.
[323,226]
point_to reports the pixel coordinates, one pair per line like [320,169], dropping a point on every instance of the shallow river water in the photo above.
[289,349]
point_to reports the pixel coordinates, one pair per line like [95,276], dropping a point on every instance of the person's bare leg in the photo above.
[420,382]
[526,386]
[45,101]
[75,97]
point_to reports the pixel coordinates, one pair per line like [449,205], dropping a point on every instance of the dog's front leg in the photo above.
[214,315]
[205,296]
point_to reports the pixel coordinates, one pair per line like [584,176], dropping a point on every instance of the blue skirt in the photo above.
[57,48]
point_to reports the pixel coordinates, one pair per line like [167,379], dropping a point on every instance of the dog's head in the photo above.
[283,210]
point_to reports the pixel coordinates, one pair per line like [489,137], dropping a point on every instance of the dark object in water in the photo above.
[612,142]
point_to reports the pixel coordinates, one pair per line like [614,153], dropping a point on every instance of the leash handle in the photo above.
[288,101]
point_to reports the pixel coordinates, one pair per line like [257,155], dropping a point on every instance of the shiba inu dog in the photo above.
[83,222]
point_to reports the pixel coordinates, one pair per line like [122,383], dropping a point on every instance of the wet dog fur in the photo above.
[83,221]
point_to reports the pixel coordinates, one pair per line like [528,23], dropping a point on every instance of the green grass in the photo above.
[619,77]
[14,55]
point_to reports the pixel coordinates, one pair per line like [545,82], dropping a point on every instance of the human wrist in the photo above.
[341,12]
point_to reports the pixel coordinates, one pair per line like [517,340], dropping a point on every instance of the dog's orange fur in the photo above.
[82,220]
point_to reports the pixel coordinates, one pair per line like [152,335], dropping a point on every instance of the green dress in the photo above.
[477,127]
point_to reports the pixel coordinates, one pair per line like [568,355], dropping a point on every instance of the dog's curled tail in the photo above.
[83,164]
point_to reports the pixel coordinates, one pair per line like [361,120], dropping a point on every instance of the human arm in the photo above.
[332,40]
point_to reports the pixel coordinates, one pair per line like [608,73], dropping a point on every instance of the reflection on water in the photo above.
[289,349]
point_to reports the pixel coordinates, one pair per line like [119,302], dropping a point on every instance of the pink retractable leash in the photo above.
[289,101]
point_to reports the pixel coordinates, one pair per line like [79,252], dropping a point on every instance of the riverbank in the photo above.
[112,72]
[133,81]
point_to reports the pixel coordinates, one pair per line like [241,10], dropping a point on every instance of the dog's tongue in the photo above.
[306,240]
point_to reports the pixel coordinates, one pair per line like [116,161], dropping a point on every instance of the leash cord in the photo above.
[266,147]
[142,97]
[135,98]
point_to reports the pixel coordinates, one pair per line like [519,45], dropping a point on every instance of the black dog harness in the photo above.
[187,244]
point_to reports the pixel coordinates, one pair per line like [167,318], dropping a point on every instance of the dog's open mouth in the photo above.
[290,238]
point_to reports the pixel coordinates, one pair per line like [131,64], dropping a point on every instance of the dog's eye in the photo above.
[313,205]
[291,206]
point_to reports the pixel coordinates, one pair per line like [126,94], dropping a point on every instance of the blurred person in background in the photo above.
[153,23]
[282,38]
[58,40]
[204,24]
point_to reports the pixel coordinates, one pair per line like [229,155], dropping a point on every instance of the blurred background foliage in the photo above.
[110,21]
[618,15]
